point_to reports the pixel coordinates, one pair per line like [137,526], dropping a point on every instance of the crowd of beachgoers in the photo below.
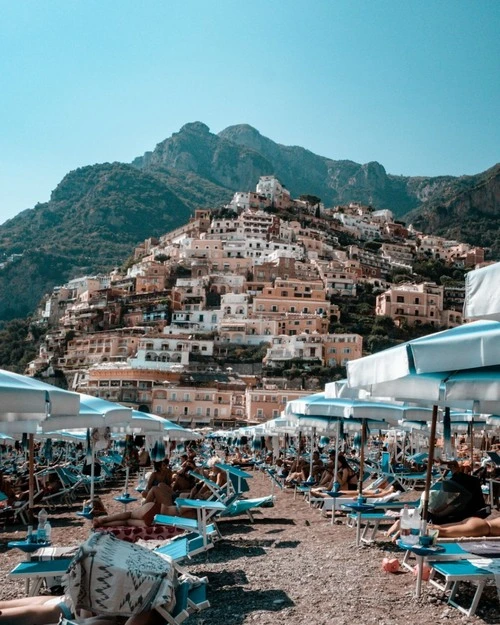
[282,556]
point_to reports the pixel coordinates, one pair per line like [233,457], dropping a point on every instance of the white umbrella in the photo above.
[94,413]
[26,402]
[482,296]
[469,346]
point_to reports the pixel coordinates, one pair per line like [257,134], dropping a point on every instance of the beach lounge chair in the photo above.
[38,571]
[126,579]
[478,571]
[190,596]
[17,513]
[231,494]
[205,511]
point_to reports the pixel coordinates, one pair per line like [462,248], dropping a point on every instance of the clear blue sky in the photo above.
[414,85]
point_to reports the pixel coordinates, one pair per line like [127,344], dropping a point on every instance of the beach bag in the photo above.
[447,499]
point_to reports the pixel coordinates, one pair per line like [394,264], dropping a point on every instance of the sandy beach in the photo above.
[290,566]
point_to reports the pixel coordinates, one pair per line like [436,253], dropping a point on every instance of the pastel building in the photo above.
[268,403]
[169,351]
[412,304]
[292,296]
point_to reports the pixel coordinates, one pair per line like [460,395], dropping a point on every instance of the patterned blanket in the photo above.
[133,534]
[111,577]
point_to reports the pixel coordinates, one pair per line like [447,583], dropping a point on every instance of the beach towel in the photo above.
[133,534]
[114,578]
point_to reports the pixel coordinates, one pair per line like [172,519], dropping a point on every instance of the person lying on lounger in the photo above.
[378,489]
[161,500]
[48,610]
[472,527]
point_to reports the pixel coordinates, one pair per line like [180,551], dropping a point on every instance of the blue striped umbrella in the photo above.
[447,432]
[88,453]
[158,451]
[256,443]
[47,450]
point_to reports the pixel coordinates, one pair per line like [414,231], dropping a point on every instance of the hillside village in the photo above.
[223,320]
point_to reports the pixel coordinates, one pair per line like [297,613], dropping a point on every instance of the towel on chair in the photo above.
[115,578]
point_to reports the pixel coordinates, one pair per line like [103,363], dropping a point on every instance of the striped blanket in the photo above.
[111,577]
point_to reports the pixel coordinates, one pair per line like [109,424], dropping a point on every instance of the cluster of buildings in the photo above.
[255,285]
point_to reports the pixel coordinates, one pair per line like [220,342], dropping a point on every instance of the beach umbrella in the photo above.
[24,404]
[88,452]
[158,451]
[47,450]
[454,368]
[447,433]
[482,297]
[96,414]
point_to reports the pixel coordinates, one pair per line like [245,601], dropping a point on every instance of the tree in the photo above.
[312,200]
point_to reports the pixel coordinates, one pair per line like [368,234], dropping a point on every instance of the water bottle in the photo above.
[48,531]
[42,520]
[414,536]
[404,524]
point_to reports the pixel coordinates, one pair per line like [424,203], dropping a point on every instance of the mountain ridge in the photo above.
[97,213]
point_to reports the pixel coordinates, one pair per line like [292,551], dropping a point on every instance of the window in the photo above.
[417,300]
[400,299]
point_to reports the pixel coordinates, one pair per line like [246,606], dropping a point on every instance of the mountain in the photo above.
[472,214]
[236,157]
[92,221]
[98,213]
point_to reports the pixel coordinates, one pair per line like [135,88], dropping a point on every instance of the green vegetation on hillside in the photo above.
[93,219]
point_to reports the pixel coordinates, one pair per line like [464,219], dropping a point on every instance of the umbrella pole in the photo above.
[92,472]
[471,425]
[362,458]
[313,440]
[31,472]
[428,476]
[127,471]
[335,470]
[360,481]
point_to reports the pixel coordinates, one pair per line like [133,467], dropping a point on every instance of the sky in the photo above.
[414,85]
